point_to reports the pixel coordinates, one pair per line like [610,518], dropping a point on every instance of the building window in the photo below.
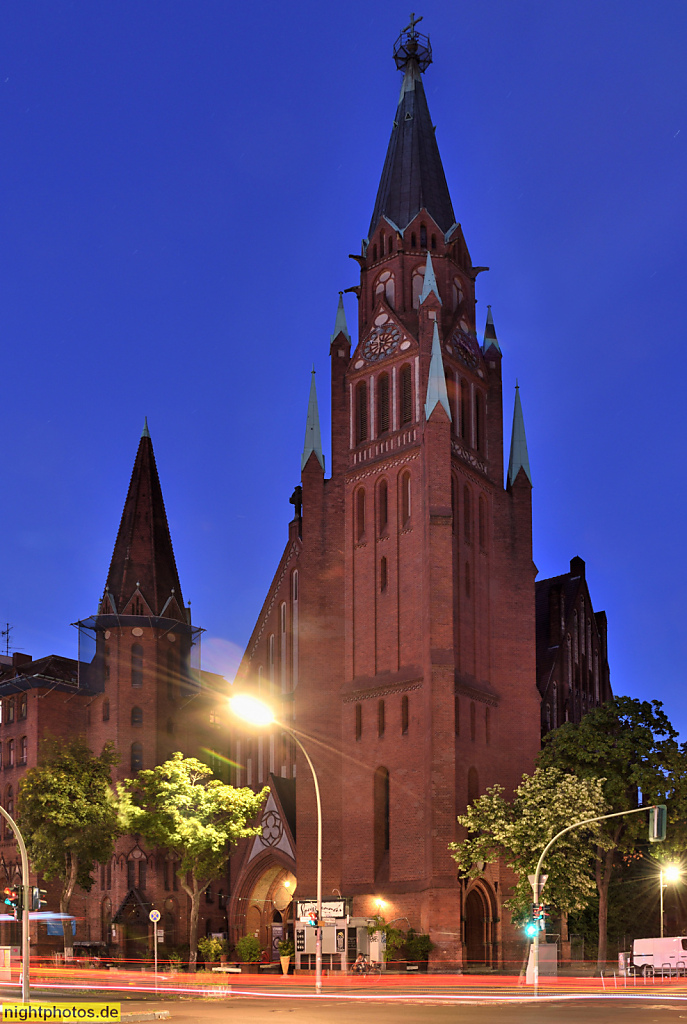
[383,403]
[383,495]
[106,710]
[473,786]
[417,284]
[423,236]
[270,658]
[23,750]
[383,574]
[405,498]
[473,730]
[406,395]
[413,241]
[136,757]
[136,666]
[131,874]
[294,585]
[467,515]
[386,287]
[381,817]
[22,706]
[380,718]
[358,721]
[142,873]
[360,514]
[479,443]
[10,710]
[390,246]
[464,411]
[109,874]
[404,715]
[137,717]
[361,412]
[10,755]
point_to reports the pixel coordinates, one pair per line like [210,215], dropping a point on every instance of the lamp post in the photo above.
[257,713]
[671,873]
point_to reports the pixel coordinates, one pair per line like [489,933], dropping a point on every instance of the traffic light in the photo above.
[658,817]
[13,897]
[37,900]
[531,929]
[312,919]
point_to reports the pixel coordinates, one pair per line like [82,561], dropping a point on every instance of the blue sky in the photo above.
[181,186]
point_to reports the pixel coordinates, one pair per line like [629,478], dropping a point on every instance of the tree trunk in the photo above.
[193,927]
[604,870]
[71,863]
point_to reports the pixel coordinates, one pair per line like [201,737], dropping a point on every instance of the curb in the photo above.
[156,1015]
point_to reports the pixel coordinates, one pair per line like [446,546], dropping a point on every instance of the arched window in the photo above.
[294,585]
[106,710]
[464,411]
[381,718]
[358,721]
[10,710]
[9,807]
[482,522]
[404,715]
[386,286]
[413,240]
[136,666]
[417,283]
[473,786]
[270,657]
[405,498]
[383,506]
[479,443]
[423,236]
[10,756]
[131,874]
[136,757]
[360,514]
[381,243]
[383,403]
[106,921]
[361,412]
[137,717]
[383,574]
[142,873]
[467,514]
[374,253]
[473,715]
[170,921]
[457,293]
[390,246]
[23,750]
[22,706]
[381,817]
[406,395]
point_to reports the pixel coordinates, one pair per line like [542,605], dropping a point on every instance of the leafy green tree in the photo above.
[631,747]
[179,806]
[68,816]
[517,831]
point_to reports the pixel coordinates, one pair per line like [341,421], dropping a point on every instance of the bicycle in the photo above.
[364,966]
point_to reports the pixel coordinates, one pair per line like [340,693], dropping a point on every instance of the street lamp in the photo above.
[669,873]
[257,713]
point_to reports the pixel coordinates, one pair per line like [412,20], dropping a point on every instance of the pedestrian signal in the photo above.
[658,817]
[37,900]
[312,919]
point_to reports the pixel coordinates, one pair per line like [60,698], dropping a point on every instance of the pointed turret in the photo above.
[430,282]
[313,440]
[413,176]
[340,325]
[143,562]
[145,432]
[436,384]
[519,458]
[490,339]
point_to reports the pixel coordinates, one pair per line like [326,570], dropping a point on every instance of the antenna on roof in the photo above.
[6,634]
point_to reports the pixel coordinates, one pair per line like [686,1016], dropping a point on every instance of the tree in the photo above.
[518,830]
[180,807]
[631,747]
[68,816]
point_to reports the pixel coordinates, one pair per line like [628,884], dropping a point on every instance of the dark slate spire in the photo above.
[413,175]
[143,558]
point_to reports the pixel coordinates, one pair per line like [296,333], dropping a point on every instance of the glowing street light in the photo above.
[256,712]
[669,873]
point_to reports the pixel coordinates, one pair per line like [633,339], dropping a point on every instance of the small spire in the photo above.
[340,325]
[519,458]
[436,385]
[313,441]
[490,339]
[145,432]
[430,282]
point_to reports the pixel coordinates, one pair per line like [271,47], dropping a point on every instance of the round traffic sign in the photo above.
[154,915]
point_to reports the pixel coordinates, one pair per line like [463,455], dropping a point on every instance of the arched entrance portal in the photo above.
[480,927]
[265,906]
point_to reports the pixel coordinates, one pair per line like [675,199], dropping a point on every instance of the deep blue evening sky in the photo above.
[180,186]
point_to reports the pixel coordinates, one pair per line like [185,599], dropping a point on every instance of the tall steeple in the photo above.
[143,569]
[490,339]
[313,440]
[340,325]
[413,176]
[519,458]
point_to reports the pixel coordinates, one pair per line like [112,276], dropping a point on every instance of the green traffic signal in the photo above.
[531,929]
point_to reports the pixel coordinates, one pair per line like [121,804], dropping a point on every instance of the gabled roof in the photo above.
[413,176]
[143,556]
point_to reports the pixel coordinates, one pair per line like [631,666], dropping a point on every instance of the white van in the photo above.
[656,955]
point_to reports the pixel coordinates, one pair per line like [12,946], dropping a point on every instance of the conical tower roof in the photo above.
[413,176]
[313,439]
[519,458]
[143,557]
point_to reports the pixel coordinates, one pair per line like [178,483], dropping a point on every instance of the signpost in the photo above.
[154,916]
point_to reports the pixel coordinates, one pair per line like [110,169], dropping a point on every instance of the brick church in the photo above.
[399,637]
[403,637]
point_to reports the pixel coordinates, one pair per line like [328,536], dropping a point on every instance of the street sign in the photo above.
[154,915]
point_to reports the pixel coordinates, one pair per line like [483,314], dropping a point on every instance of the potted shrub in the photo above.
[418,947]
[212,950]
[249,952]
[286,951]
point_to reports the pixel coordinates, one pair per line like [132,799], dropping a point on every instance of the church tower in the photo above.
[407,660]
